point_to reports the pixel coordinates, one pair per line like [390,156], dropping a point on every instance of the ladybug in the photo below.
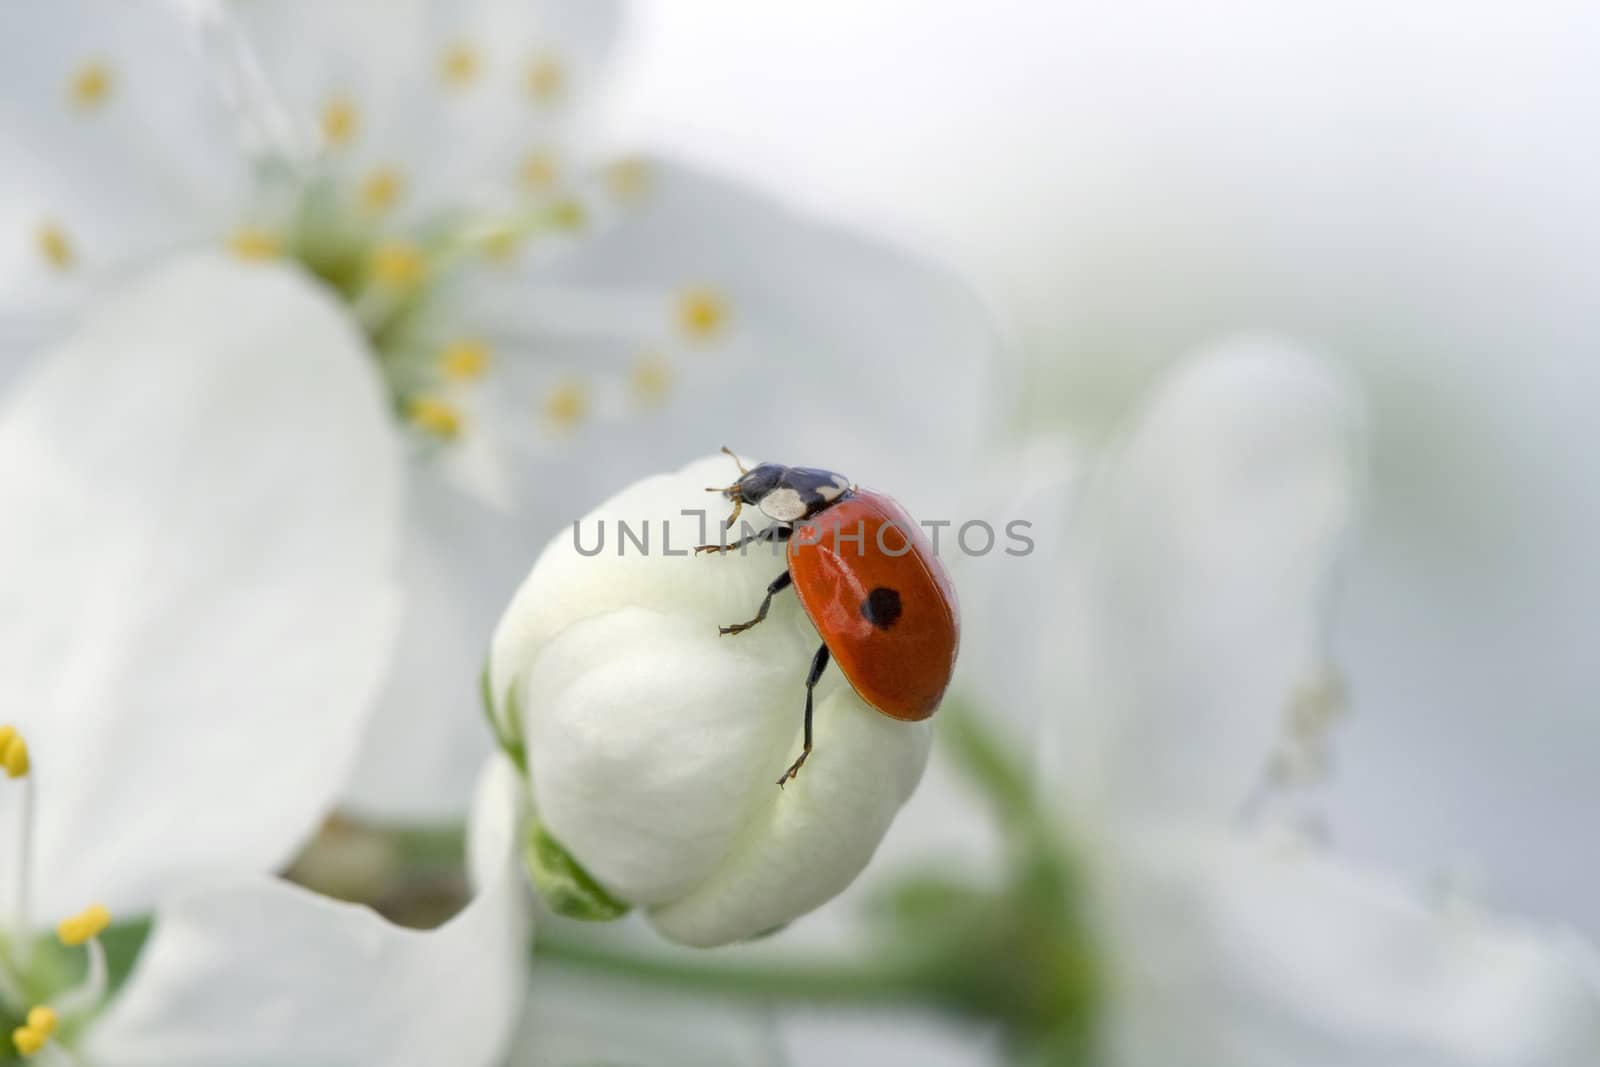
[867,578]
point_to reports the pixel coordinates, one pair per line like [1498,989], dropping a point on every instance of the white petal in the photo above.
[1467,623]
[206,494]
[428,733]
[267,973]
[1205,547]
[1228,953]
[1029,495]
[574,1022]
[654,743]
[153,163]
[838,351]
[654,750]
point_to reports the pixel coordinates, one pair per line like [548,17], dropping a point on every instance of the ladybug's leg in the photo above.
[779,584]
[778,532]
[818,665]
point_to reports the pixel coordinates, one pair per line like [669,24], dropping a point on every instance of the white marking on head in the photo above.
[830,493]
[783,505]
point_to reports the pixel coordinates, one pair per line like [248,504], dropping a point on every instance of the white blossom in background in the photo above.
[263,972]
[653,742]
[1190,710]
[544,320]
[194,629]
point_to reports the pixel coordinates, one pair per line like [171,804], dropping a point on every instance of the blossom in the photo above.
[263,972]
[652,741]
[171,736]
[542,318]
[1198,710]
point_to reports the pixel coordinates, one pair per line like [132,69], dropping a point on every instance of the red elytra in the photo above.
[867,578]
[883,603]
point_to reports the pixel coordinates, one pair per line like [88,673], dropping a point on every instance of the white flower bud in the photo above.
[653,744]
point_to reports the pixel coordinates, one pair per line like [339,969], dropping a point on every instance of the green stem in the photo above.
[834,983]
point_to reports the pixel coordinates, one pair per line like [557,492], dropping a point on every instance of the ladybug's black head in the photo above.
[784,494]
[753,486]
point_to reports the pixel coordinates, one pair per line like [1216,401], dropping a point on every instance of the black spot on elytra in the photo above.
[882,607]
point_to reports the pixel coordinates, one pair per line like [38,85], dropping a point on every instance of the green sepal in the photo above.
[507,729]
[562,883]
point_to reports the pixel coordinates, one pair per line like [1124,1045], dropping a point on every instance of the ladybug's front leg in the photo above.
[777,532]
[779,584]
[818,664]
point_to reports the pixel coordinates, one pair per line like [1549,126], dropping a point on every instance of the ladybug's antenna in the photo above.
[731,491]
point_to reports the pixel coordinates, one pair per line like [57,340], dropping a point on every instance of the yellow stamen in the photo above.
[567,405]
[459,64]
[465,360]
[437,417]
[381,189]
[42,1020]
[502,245]
[88,924]
[546,79]
[90,85]
[398,264]
[28,1040]
[628,179]
[14,753]
[340,121]
[539,170]
[253,244]
[650,379]
[55,246]
[568,214]
[702,313]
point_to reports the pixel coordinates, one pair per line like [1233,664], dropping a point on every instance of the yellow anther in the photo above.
[42,1020]
[28,1040]
[539,170]
[90,85]
[628,179]
[567,405]
[502,245]
[650,379]
[255,244]
[546,78]
[340,121]
[398,264]
[381,189]
[465,360]
[568,214]
[88,924]
[437,417]
[459,64]
[54,245]
[702,313]
[14,755]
